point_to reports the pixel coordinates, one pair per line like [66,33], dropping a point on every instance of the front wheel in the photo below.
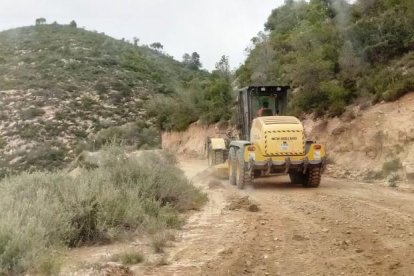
[243,175]
[232,165]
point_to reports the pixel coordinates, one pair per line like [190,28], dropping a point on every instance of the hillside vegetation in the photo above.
[65,89]
[46,213]
[333,53]
[208,100]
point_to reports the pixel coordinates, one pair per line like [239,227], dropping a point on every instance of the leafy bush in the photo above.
[47,156]
[207,100]
[391,166]
[330,98]
[42,212]
[171,113]
[138,134]
[393,179]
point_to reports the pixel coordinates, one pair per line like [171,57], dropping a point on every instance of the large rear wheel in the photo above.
[297,178]
[313,177]
[232,165]
[215,157]
[243,175]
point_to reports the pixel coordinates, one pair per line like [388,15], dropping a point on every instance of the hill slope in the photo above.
[60,86]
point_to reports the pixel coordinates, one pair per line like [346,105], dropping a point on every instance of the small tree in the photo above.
[136,40]
[73,24]
[195,60]
[223,66]
[186,59]
[192,61]
[40,21]
[157,46]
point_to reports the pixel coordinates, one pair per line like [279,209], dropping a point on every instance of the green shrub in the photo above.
[101,87]
[136,134]
[391,166]
[88,103]
[46,156]
[331,98]
[399,89]
[392,180]
[32,113]
[30,131]
[42,212]
[129,257]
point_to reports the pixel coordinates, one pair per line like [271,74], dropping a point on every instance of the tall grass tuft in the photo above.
[44,212]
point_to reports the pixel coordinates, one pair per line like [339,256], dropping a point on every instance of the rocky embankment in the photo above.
[368,143]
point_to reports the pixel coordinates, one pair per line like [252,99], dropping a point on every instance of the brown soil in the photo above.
[238,203]
[365,138]
[341,228]
[344,227]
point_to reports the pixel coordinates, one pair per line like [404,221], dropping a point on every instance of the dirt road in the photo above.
[341,228]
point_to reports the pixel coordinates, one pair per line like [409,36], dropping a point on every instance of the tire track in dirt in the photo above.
[341,228]
[325,231]
[207,234]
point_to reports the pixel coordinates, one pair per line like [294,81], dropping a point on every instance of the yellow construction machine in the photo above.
[269,142]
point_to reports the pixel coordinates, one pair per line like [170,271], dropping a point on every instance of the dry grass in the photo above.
[159,241]
[44,212]
[129,257]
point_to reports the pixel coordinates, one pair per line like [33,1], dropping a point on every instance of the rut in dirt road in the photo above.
[340,228]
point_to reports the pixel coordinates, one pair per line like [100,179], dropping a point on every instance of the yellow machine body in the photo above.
[278,139]
[218,143]
[268,144]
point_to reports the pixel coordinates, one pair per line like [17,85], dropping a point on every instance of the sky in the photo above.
[210,27]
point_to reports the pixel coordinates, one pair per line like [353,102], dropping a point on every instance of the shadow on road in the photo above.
[274,182]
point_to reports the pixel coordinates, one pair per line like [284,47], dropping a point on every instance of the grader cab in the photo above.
[269,142]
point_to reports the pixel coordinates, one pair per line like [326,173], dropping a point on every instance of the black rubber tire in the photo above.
[257,173]
[232,165]
[243,175]
[215,157]
[219,157]
[313,177]
[297,178]
[210,158]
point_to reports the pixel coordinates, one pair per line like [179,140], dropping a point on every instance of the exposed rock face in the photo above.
[377,134]
[192,141]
